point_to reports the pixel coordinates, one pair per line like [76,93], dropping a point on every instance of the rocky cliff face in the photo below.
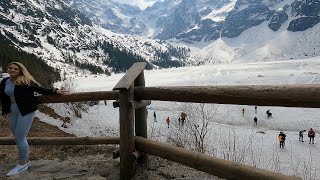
[204,20]
[306,14]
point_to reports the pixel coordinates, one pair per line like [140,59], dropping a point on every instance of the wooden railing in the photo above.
[132,98]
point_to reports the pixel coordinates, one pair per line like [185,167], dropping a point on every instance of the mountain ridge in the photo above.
[66,39]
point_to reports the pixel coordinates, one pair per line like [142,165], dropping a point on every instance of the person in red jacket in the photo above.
[168,121]
[18,100]
[311,135]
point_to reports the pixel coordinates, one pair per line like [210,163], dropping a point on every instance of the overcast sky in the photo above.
[142,4]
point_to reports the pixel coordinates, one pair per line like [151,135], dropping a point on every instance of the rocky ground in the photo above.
[81,162]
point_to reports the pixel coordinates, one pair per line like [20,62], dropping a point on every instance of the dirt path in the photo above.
[81,162]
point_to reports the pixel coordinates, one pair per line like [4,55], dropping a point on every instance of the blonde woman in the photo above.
[18,100]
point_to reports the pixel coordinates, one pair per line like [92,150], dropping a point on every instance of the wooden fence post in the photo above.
[141,115]
[127,144]
[127,105]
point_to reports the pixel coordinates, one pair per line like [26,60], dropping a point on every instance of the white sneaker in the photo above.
[18,169]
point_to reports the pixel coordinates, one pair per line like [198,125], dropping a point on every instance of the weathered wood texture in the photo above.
[218,167]
[127,143]
[78,97]
[135,104]
[135,156]
[282,95]
[141,116]
[140,104]
[63,140]
[127,80]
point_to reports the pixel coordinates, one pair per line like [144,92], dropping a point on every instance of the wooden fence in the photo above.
[132,98]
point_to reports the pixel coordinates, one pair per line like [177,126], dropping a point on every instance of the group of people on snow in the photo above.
[311,135]
[282,136]
[255,119]
[181,119]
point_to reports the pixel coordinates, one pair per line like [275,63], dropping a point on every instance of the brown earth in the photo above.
[80,162]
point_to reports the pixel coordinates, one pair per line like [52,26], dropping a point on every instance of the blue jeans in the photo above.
[20,126]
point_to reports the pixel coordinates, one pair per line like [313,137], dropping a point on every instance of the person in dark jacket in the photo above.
[255,119]
[311,135]
[301,135]
[18,100]
[155,116]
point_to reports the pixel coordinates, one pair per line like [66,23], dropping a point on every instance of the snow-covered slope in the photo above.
[236,30]
[262,44]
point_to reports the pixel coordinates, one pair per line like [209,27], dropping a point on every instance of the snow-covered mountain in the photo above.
[111,15]
[235,30]
[65,37]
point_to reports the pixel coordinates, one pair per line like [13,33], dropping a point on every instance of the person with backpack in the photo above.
[311,135]
[282,139]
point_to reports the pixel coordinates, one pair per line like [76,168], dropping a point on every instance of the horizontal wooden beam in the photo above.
[218,167]
[280,95]
[79,97]
[62,140]
[128,79]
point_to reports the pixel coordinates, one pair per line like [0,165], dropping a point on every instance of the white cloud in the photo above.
[142,4]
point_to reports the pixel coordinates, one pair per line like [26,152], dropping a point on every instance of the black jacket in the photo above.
[24,97]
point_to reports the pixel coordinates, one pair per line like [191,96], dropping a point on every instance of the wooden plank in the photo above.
[127,143]
[141,116]
[62,140]
[78,97]
[127,80]
[218,167]
[282,95]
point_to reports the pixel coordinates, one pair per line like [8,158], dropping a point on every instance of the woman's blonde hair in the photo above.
[24,78]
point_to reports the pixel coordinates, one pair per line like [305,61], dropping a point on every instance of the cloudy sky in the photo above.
[142,4]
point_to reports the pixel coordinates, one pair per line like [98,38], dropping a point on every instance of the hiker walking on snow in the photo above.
[311,135]
[183,118]
[301,135]
[282,139]
[242,111]
[269,114]
[255,109]
[255,119]
[155,116]
[168,121]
